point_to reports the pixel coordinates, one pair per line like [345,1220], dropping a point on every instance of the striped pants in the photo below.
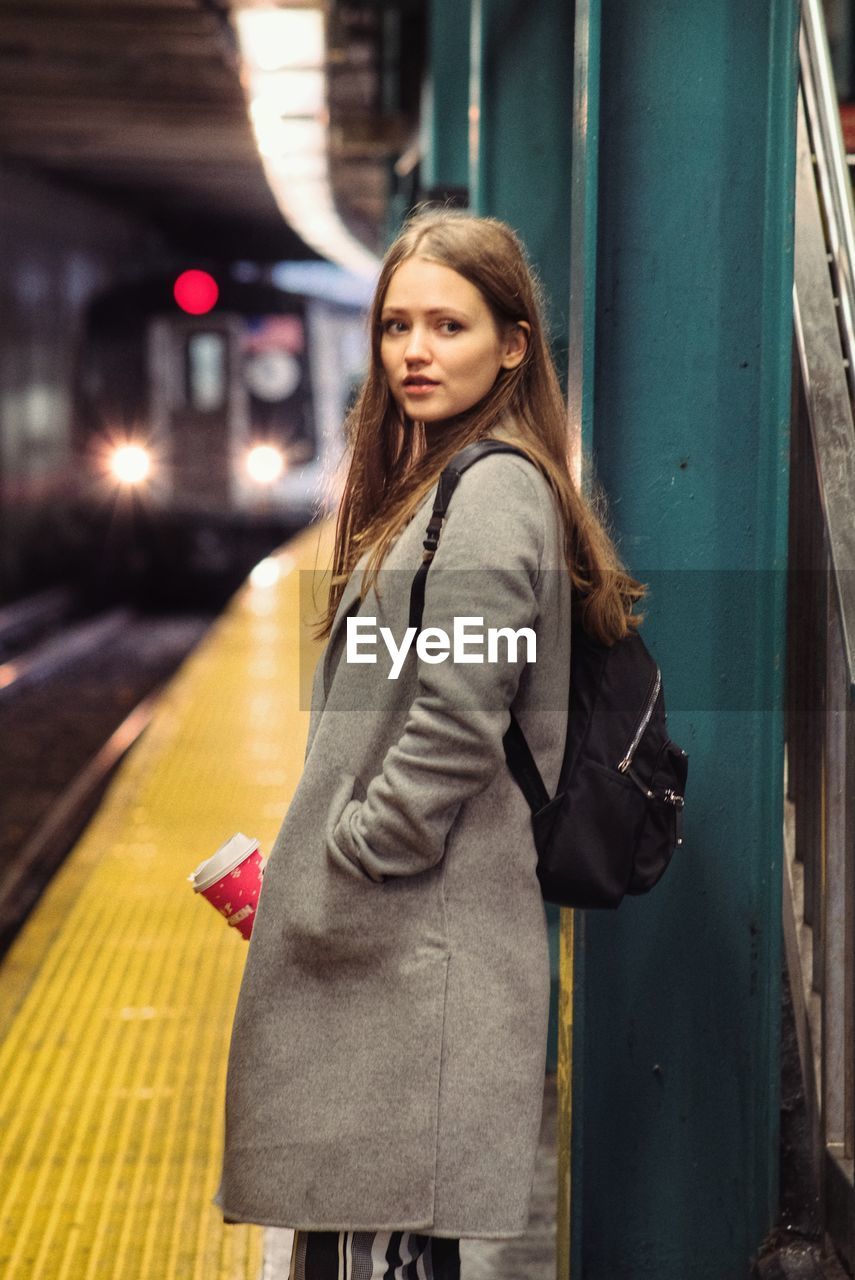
[370,1255]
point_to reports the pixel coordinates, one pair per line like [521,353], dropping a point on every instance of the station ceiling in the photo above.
[140,102]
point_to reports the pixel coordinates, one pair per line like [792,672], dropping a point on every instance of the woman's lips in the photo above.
[420,386]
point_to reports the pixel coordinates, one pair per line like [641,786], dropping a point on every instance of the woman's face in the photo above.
[440,347]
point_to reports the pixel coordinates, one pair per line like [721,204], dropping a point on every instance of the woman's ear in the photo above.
[516,344]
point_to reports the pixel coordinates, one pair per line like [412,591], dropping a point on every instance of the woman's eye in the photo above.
[393,326]
[451,326]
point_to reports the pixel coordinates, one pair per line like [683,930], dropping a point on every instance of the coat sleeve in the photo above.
[486,567]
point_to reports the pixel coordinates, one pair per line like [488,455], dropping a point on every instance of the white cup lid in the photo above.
[228,856]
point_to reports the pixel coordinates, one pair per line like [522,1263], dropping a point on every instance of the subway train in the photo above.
[208,421]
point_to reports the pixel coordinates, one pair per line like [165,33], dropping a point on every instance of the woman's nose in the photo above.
[416,349]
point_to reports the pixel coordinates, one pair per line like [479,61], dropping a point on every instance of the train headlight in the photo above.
[130,464]
[265,463]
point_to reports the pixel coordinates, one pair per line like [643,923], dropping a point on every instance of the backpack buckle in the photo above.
[431,541]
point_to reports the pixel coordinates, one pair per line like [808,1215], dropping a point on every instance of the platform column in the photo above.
[445,102]
[679,1085]
[584,204]
[520,103]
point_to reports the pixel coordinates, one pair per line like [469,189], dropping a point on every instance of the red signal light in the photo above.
[196,292]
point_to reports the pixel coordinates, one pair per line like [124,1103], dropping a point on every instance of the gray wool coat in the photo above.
[388,1051]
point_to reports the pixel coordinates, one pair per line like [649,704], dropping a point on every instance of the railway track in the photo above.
[71,706]
[29,618]
[24,878]
[60,650]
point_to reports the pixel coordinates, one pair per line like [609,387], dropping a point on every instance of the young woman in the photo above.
[386,1071]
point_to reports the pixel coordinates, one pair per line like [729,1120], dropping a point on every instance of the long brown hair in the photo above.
[391,469]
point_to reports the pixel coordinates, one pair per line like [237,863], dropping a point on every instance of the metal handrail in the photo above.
[824,306]
[835,183]
[819,884]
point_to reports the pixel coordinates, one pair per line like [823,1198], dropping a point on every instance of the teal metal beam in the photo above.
[587,53]
[520,129]
[679,1084]
[584,177]
[445,100]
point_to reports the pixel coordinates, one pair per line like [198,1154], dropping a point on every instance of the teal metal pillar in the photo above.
[520,132]
[520,104]
[445,100]
[679,1022]
[584,208]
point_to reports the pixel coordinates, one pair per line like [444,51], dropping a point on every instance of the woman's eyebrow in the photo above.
[431,311]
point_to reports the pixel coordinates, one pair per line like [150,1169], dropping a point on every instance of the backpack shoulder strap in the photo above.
[517,751]
[452,472]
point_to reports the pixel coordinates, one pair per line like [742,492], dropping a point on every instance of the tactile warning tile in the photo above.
[113,1057]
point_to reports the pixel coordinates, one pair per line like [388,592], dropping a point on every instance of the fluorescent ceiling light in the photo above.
[296,168]
[282,137]
[290,93]
[283,52]
[272,39]
[319,219]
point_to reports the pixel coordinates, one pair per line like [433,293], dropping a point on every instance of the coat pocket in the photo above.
[332,913]
[348,788]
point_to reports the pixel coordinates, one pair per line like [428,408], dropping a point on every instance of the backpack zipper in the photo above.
[669,796]
[643,723]
[674,798]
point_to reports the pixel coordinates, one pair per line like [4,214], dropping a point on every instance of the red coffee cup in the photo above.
[231,881]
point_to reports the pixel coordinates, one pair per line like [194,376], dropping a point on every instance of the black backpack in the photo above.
[617,814]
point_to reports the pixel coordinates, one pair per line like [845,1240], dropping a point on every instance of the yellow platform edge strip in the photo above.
[116,1000]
